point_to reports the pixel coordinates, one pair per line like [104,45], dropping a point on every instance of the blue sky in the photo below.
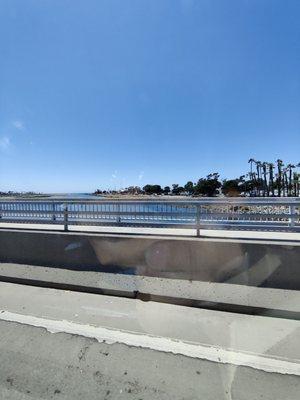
[109,93]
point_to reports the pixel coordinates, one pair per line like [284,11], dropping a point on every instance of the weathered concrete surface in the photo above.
[248,262]
[35,364]
[189,292]
[216,336]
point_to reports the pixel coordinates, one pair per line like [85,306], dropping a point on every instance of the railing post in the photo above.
[53,210]
[118,218]
[198,220]
[65,218]
[293,215]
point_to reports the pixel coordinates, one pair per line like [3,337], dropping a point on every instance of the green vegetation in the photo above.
[11,193]
[264,179]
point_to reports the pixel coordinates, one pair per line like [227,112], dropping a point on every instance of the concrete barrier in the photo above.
[244,262]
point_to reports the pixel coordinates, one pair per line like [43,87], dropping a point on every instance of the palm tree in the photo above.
[265,184]
[296,181]
[289,169]
[284,182]
[251,161]
[271,178]
[295,184]
[279,167]
[258,169]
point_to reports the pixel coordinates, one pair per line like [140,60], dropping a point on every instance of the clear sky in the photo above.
[109,93]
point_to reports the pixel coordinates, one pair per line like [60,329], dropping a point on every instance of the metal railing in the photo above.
[242,214]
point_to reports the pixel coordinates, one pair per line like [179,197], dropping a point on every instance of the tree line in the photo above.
[269,179]
[264,179]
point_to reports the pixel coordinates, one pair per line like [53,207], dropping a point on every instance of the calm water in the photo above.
[35,210]
[79,196]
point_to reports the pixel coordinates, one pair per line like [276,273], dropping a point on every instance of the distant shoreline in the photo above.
[117,196]
[143,196]
[92,197]
[23,196]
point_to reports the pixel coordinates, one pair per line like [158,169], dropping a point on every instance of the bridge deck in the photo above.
[78,345]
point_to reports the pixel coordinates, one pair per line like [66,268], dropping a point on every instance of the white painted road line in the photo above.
[263,343]
[194,350]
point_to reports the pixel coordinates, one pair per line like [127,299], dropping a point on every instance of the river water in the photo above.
[75,196]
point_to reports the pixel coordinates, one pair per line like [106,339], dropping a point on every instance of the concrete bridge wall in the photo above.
[244,262]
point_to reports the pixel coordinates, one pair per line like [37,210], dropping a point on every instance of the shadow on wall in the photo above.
[254,264]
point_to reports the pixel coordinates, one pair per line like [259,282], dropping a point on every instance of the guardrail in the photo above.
[242,214]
